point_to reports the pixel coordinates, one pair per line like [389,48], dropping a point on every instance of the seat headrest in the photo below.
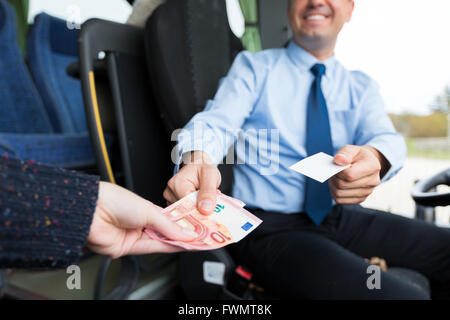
[8,30]
[189,47]
[54,31]
[21,108]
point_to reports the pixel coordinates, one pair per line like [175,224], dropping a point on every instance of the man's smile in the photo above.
[316,16]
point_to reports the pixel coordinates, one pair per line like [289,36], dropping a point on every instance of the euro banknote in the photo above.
[229,222]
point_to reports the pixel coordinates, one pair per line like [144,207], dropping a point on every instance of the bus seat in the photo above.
[26,131]
[51,48]
[134,118]
[119,101]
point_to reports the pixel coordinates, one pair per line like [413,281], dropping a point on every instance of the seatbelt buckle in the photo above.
[239,282]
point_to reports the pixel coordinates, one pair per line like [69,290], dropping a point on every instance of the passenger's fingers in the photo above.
[159,222]
[146,246]
[209,182]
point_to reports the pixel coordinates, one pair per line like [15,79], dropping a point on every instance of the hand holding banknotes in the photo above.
[199,173]
[118,223]
[356,183]
[229,222]
[217,219]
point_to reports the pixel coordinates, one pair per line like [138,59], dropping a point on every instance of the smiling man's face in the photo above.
[318,22]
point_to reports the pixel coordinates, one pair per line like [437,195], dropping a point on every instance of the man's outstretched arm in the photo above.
[205,140]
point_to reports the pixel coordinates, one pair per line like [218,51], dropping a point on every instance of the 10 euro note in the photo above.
[229,223]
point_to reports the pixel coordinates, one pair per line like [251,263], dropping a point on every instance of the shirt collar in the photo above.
[304,60]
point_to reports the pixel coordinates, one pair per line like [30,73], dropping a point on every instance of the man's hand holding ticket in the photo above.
[352,173]
[319,167]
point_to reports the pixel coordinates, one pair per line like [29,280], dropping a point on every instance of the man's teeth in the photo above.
[315,17]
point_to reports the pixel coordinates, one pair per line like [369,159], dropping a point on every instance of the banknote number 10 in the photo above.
[219,208]
[219,237]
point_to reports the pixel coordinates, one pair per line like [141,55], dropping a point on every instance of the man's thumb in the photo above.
[209,182]
[345,155]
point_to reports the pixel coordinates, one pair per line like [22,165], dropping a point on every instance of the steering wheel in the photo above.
[421,190]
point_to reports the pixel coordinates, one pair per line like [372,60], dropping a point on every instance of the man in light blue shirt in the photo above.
[268,90]
[266,105]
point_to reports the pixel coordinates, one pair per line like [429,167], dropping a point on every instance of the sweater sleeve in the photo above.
[45,214]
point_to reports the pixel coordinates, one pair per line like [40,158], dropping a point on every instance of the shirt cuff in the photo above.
[396,157]
[182,150]
[188,142]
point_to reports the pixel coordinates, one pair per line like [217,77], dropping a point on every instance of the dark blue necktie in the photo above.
[318,199]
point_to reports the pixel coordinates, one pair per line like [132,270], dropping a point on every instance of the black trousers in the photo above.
[293,258]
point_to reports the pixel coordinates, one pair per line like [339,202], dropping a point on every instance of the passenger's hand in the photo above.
[118,223]
[354,184]
[199,173]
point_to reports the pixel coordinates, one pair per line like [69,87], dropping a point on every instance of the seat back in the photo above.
[189,47]
[51,48]
[143,163]
[21,108]
[118,88]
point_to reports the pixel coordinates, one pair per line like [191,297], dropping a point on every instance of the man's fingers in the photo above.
[169,196]
[350,200]
[209,182]
[358,170]
[205,177]
[363,160]
[365,182]
[345,155]
[351,193]
[180,186]
[342,159]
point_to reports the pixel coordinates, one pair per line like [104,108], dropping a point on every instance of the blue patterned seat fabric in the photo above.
[51,48]
[26,129]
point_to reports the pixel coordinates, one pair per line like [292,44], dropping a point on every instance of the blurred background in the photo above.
[404,46]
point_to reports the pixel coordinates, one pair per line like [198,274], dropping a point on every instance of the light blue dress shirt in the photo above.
[262,105]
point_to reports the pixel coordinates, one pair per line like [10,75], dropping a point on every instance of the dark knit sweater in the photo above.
[45,214]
